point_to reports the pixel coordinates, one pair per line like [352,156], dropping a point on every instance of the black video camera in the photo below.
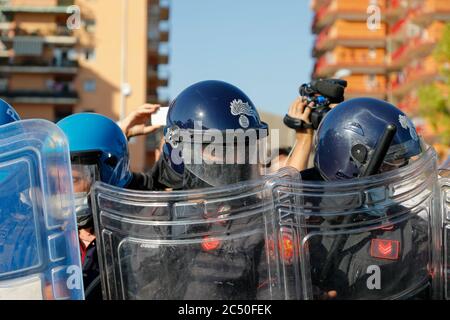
[322,93]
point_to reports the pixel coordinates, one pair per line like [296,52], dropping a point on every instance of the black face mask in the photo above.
[169,178]
[189,180]
[84,214]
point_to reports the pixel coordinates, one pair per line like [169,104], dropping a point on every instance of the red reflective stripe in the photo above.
[210,243]
[286,246]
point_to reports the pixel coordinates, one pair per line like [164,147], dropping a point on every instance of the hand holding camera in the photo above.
[318,95]
[299,115]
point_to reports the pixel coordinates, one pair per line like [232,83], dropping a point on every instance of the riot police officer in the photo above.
[213,137]
[344,144]
[99,152]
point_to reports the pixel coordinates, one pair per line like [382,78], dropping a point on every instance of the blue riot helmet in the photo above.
[212,135]
[99,152]
[7,113]
[348,135]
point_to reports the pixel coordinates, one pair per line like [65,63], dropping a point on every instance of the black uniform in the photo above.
[91,272]
[400,251]
[151,180]
[209,269]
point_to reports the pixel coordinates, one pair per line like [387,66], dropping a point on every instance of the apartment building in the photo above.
[390,60]
[59,57]
[415,29]
[345,47]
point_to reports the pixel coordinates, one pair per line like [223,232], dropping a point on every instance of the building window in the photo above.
[89,25]
[372,53]
[90,85]
[89,55]
[3,84]
[371,81]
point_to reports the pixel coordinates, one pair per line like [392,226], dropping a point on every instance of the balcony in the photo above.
[66,67]
[38,6]
[163,59]
[156,80]
[395,10]
[324,69]
[415,48]
[164,13]
[59,35]
[158,57]
[40,97]
[349,34]
[398,31]
[432,10]
[159,11]
[380,93]
[425,71]
[164,36]
[366,86]
[34,9]
[355,60]
[348,10]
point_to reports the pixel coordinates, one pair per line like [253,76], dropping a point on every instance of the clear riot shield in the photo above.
[39,249]
[371,238]
[444,183]
[199,244]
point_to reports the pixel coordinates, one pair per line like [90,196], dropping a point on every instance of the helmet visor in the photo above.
[223,164]
[403,151]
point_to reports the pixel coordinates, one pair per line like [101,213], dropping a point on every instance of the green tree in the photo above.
[434,100]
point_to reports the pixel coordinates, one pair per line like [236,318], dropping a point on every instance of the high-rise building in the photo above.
[345,47]
[59,57]
[415,29]
[383,48]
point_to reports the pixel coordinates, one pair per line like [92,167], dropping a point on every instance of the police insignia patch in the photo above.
[242,109]
[385,249]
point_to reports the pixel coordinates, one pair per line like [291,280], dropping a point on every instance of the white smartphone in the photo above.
[159,118]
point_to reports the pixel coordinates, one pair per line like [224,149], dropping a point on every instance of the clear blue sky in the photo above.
[262,46]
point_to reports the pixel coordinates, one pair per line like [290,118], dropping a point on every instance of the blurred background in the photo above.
[111,56]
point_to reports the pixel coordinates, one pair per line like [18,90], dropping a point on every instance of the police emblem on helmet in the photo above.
[406,123]
[242,109]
